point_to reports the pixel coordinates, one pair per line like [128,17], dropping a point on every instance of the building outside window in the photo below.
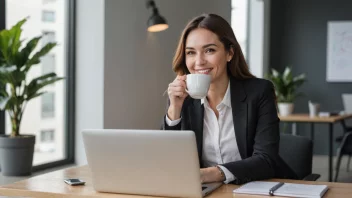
[48,37]
[48,16]
[47,136]
[48,61]
[47,141]
[48,105]
[48,1]
[48,64]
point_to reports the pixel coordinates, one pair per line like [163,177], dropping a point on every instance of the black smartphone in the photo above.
[74,182]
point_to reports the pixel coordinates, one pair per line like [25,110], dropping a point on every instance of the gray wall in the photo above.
[299,38]
[138,63]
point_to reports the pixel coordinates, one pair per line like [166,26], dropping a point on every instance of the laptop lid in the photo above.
[146,162]
[347,102]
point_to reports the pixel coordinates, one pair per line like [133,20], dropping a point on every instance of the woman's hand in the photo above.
[177,94]
[211,174]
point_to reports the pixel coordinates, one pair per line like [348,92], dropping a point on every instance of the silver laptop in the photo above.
[347,102]
[145,162]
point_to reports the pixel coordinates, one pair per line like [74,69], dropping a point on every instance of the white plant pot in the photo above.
[285,109]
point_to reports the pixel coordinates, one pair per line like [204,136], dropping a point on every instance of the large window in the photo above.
[239,23]
[51,116]
[48,61]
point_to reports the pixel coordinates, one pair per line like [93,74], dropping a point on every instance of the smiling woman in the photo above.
[236,124]
[205,54]
[219,31]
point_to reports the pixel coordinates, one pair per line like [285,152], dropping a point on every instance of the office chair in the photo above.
[347,104]
[297,152]
[344,149]
[346,129]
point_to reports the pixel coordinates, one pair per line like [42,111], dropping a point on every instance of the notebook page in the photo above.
[256,187]
[299,190]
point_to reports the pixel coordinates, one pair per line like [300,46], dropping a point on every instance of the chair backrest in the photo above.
[297,152]
[346,144]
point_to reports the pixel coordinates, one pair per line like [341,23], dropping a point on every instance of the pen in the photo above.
[277,186]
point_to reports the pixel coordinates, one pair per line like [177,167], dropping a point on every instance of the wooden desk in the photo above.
[304,118]
[52,185]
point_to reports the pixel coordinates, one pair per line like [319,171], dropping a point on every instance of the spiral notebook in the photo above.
[282,189]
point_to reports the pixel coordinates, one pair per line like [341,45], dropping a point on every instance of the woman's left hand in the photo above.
[211,174]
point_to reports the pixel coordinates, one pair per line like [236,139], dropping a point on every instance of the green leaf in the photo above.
[3,92]
[36,57]
[275,73]
[23,55]
[287,72]
[43,77]
[16,32]
[4,45]
[19,77]
[3,102]
[10,103]
[36,84]
[287,76]
[35,95]
[299,77]
[6,76]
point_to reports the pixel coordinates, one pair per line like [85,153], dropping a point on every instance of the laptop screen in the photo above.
[347,102]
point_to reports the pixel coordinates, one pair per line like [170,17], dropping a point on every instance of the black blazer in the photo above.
[256,127]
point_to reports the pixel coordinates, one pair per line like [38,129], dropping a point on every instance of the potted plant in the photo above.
[16,90]
[286,89]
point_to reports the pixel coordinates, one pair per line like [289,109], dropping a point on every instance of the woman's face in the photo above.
[205,54]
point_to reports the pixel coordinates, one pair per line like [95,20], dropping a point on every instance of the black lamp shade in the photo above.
[157,23]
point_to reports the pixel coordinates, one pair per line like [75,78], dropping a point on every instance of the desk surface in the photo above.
[306,118]
[52,185]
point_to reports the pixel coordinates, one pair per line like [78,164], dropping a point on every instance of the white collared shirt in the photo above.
[219,139]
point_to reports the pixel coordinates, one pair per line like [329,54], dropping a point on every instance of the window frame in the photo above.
[2,26]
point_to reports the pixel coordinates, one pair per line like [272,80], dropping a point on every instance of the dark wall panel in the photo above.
[298,38]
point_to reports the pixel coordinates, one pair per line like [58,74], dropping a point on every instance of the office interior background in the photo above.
[118,71]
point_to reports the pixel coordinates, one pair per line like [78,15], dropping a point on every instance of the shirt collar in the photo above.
[226,100]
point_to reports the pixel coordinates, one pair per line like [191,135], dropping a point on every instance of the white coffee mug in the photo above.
[313,109]
[198,85]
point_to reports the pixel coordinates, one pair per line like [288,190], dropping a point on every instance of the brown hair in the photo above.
[237,67]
